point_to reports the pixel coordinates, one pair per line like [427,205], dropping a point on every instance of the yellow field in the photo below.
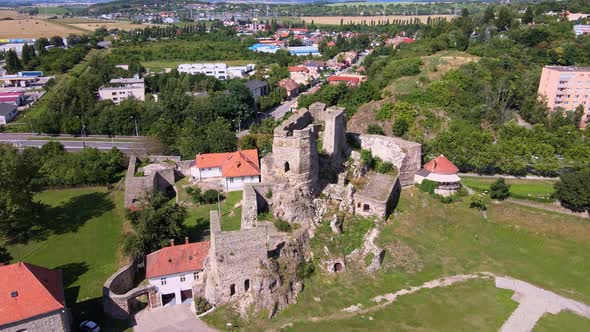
[37,27]
[358,19]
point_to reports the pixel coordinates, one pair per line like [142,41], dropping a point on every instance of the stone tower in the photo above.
[334,141]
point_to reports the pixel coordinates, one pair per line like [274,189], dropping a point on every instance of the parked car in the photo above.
[89,326]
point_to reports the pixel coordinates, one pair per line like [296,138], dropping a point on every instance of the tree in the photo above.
[499,190]
[504,20]
[13,64]
[155,223]
[40,45]
[477,202]
[5,256]
[528,15]
[28,54]
[57,41]
[573,190]
[488,15]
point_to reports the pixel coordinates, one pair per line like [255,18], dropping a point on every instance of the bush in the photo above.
[400,127]
[210,196]
[384,113]
[195,194]
[500,190]
[375,130]
[477,202]
[573,190]
[428,186]
[305,270]
[384,167]
[367,158]
[282,225]
[202,305]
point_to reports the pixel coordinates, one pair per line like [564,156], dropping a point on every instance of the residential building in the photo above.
[257,88]
[304,50]
[348,79]
[566,87]
[232,169]
[174,270]
[290,86]
[581,29]
[120,89]
[318,64]
[303,75]
[7,113]
[32,299]
[171,19]
[442,171]
[16,98]
[218,70]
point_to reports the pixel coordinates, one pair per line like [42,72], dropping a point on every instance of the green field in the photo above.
[563,321]
[534,190]
[80,236]
[425,240]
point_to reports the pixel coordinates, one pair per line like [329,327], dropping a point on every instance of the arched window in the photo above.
[232,289]
[287,167]
[247,285]
[338,267]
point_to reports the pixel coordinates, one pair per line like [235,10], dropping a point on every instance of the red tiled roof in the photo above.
[298,69]
[232,164]
[288,84]
[331,44]
[441,165]
[344,79]
[38,291]
[177,259]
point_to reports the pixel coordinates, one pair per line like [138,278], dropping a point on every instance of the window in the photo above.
[162,281]
[366,207]
[231,180]
[232,289]
[287,167]
[195,276]
[247,285]
[182,278]
[114,93]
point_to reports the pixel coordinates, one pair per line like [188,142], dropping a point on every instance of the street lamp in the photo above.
[82,131]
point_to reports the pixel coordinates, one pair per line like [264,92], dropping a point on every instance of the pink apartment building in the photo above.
[566,87]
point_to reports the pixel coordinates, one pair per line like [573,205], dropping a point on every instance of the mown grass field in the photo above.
[425,240]
[81,235]
[563,321]
[533,190]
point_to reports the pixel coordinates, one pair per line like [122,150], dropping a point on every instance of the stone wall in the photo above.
[255,199]
[406,156]
[56,321]
[334,140]
[159,178]
[379,197]
[317,111]
[118,291]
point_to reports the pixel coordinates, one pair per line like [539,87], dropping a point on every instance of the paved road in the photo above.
[176,318]
[77,145]
[497,176]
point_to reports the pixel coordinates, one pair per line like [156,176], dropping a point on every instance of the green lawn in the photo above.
[81,236]
[563,321]
[534,190]
[198,216]
[425,240]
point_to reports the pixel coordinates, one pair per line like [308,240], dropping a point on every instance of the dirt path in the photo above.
[534,301]
[548,207]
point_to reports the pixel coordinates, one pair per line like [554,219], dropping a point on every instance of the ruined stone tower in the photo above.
[334,141]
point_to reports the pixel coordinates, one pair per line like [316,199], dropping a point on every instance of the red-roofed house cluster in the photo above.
[442,171]
[232,169]
[174,270]
[32,299]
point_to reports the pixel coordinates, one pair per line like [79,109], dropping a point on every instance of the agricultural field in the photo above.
[426,240]
[81,235]
[26,27]
[335,20]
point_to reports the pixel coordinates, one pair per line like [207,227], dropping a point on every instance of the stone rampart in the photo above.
[255,199]
[118,292]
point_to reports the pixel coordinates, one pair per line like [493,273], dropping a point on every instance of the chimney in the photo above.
[186,240]
[172,242]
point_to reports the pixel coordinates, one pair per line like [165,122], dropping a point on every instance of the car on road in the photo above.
[89,326]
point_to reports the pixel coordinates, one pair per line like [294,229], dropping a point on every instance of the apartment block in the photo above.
[566,87]
[120,89]
[220,71]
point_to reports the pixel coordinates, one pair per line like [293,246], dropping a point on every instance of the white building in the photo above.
[174,270]
[120,89]
[232,169]
[171,19]
[218,70]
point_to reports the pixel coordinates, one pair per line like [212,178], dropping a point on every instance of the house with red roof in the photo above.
[175,269]
[32,299]
[442,171]
[348,79]
[290,86]
[232,169]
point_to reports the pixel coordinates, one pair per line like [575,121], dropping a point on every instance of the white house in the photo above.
[231,169]
[220,71]
[174,270]
[122,88]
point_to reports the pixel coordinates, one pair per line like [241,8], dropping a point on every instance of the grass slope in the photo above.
[534,190]
[81,236]
[198,216]
[563,321]
[425,240]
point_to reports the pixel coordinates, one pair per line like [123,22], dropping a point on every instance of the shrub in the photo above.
[268,194]
[367,158]
[385,112]
[210,196]
[282,225]
[573,190]
[202,305]
[374,129]
[477,202]
[500,190]
[384,167]
[305,270]
[428,186]
[400,127]
[195,194]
